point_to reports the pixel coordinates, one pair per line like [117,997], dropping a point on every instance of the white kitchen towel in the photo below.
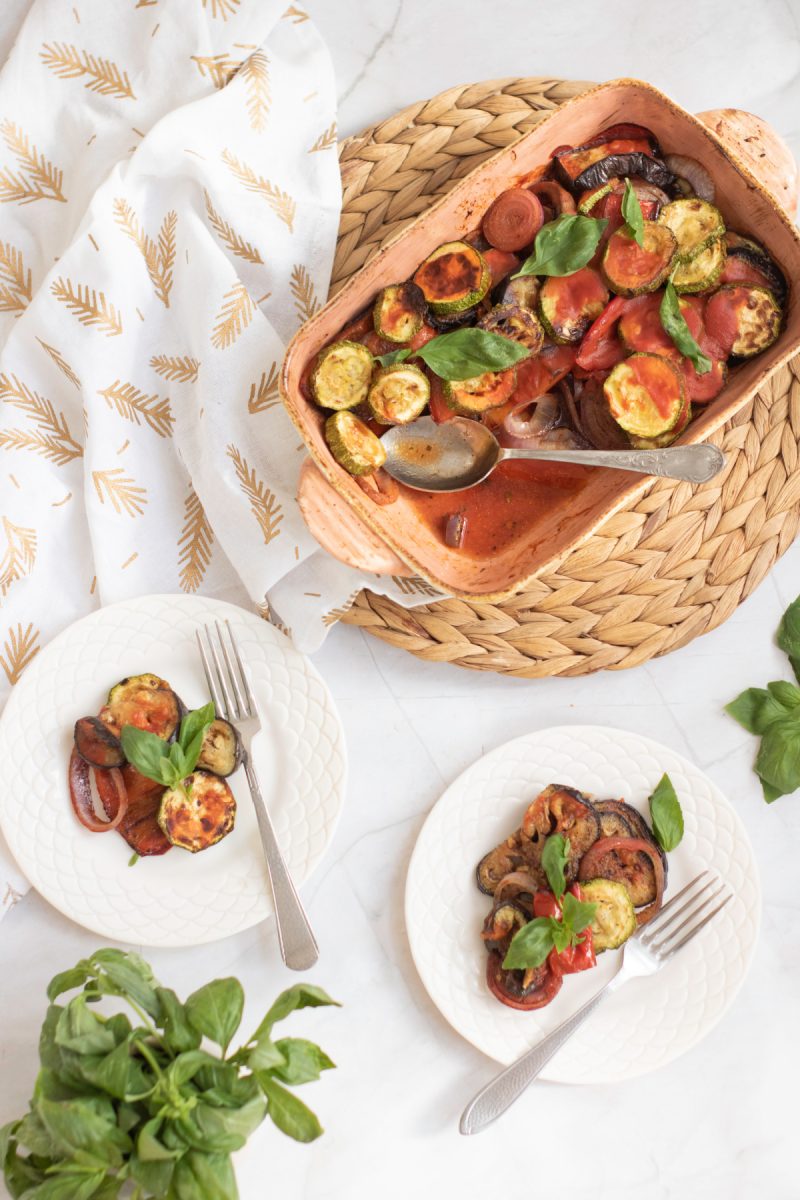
[169,200]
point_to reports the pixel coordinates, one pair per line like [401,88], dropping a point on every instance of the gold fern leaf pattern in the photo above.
[234,242]
[194,544]
[219,68]
[335,614]
[296,15]
[222,8]
[159,258]
[51,435]
[264,394]
[15,281]
[414,586]
[302,289]
[146,3]
[21,647]
[20,556]
[120,490]
[100,75]
[279,201]
[255,73]
[89,306]
[61,363]
[37,179]
[263,504]
[135,406]
[234,316]
[325,140]
[177,369]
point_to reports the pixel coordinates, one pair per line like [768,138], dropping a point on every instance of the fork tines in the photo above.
[227,683]
[658,936]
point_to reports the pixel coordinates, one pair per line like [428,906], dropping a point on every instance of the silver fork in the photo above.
[643,954]
[233,700]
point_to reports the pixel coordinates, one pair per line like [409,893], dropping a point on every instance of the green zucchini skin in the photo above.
[702,272]
[342,376]
[630,399]
[471,397]
[758,317]
[399,394]
[146,702]
[222,752]
[659,246]
[615,917]
[353,444]
[399,312]
[695,223]
[454,278]
[199,816]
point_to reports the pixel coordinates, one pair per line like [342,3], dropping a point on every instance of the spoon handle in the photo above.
[695,464]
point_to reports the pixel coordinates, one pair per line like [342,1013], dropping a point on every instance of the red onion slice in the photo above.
[695,175]
[80,793]
[455,530]
[534,417]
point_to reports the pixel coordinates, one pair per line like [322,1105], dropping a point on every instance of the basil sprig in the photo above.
[555,857]
[666,814]
[632,214]
[133,1102]
[532,943]
[674,325]
[563,246]
[168,763]
[773,714]
[463,353]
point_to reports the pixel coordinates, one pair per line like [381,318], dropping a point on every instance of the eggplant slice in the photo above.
[221,752]
[639,826]
[96,744]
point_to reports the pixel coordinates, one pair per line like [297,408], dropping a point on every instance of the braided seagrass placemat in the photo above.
[657,575]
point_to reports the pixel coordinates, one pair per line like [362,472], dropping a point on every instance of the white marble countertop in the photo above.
[720,1123]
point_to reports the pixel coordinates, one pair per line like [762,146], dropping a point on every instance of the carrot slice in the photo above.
[513,220]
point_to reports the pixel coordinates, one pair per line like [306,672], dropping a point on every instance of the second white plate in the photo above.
[648,1022]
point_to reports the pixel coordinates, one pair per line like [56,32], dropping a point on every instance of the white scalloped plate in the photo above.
[178,899]
[648,1022]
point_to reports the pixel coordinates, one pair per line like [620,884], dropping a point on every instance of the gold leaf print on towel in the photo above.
[415,586]
[296,15]
[179,370]
[222,8]
[40,180]
[120,490]
[20,649]
[335,614]
[219,68]
[230,237]
[15,281]
[89,306]
[20,555]
[280,202]
[101,74]
[265,393]
[263,505]
[135,406]
[234,316]
[305,300]
[159,258]
[61,363]
[325,140]
[255,73]
[51,437]
[194,544]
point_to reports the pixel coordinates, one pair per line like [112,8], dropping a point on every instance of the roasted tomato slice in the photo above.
[515,990]
[702,388]
[636,862]
[601,348]
[439,409]
[640,326]
[139,826]
[500,262]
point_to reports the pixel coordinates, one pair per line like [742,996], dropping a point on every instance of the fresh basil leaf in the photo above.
[755,709]
[131,976]
[186,1066]
[179,762]
[770,793]
[224,1130]
[117,1073]
[301,995]
[632,214]
[77,1125]
[395,356]
[465,353]
[146,752]
[578,914]
[666,814]
[562,936]
[305,1061]
[77,1184]
[290,1115]
[785,693]
[563,246]
[201,1176]
[196,722]
[154,1177]
[788,636]
[65,981]
[795,665]
[179,1034]
[555,857]
[132,861]
[778,758]
[216,1010]
[265,1055]
[80,1030]
[674,325]
[32,1134]
[531,944]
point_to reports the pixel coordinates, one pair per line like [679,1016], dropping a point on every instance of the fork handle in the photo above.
[498,1095]
[298,945]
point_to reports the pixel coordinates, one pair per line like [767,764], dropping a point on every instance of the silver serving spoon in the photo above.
[460,453]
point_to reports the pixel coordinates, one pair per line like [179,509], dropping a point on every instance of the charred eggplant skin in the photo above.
[199,813]
[617,166]
[96,744]
[221,752]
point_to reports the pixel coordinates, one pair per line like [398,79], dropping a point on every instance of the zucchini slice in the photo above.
[471,397]
[666,439]
[399,394]
[695,223]
[342,376]
[199,814]
[146,702]
[523,291]
[96,744]
[631,269]
[516,322]
[646,395]
[353,444]
[744,319]
[454,278]
[615,918]
[569,303]
[221,752]
[589,199]
[399,312]
[704,270]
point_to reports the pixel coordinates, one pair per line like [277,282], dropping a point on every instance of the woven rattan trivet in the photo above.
[674,565]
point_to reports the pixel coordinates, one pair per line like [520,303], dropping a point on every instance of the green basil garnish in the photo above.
[674,325]
[532,943]
[788,637]
[555,857]
[632,214]
[463,354]
[666,814]
[168,763]
[563,246]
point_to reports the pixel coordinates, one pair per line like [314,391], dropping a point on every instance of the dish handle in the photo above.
[331,520]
